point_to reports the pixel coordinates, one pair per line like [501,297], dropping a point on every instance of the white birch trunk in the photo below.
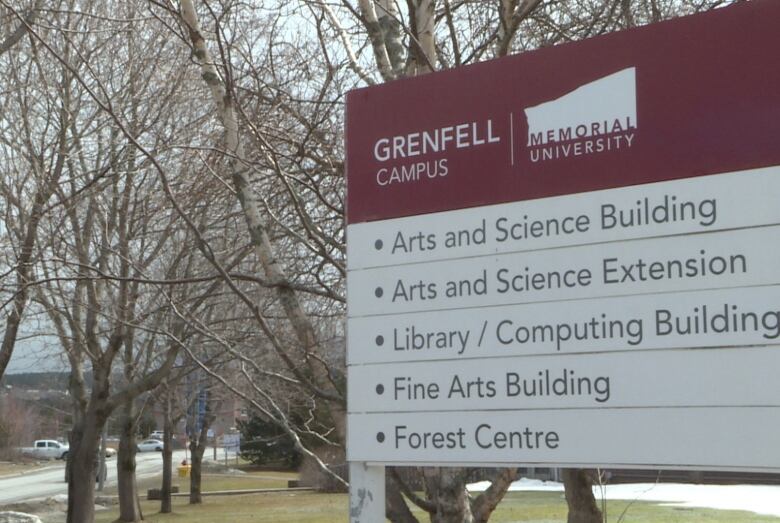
[240,173]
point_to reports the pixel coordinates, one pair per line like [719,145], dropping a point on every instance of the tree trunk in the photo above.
[81,469]
[166,506]
[578,484]
[197,448]
[396,508]
[445,487]
[198,444]
[487,502]
[129,505]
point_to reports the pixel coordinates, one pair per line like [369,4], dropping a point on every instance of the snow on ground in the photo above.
[761,499]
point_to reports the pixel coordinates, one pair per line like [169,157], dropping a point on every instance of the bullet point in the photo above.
[378,245]
[380,340]
[380,437]
[380,389]
[378,292]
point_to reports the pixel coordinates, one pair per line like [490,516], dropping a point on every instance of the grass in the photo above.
[300,507]
[547,507]
[213,482]
[309,507]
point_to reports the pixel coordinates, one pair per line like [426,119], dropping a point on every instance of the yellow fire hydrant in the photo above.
[184,469]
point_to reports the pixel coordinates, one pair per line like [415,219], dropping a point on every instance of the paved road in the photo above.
[50,480]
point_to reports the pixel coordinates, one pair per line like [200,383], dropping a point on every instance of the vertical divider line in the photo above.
[512,138]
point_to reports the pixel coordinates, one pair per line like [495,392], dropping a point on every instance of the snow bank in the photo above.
[760,499]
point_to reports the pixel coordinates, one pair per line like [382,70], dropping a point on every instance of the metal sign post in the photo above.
[367,493]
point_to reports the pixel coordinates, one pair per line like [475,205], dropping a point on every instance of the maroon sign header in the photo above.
[688,97]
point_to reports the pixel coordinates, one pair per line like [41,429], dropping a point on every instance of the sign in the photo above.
[504,130]
[231,442]
[571,257]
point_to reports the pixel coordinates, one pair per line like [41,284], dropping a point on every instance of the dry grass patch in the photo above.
[8,468]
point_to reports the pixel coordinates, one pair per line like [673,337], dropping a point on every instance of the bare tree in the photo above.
[15,35]
[33,166]
[172,177]
[106,234]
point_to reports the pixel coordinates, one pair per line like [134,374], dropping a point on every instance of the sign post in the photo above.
[557,260]
[366,492]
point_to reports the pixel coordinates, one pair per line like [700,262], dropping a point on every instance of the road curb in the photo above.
[245,491]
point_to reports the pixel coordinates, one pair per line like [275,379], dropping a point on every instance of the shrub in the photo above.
[263,442]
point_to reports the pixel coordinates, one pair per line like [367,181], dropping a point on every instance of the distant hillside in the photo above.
[38,380]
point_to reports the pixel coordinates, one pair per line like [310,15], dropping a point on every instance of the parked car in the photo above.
[150,445]
[46,449]
[157,434]
[110,453]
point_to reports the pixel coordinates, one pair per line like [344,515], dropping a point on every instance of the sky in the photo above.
[40,354]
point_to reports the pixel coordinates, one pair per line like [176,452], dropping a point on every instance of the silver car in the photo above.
[150,445]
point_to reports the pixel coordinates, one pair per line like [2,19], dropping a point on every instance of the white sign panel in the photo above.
[700,437]
[534,351]
[642,379]
[708,203]
[712,318]
[723,259]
